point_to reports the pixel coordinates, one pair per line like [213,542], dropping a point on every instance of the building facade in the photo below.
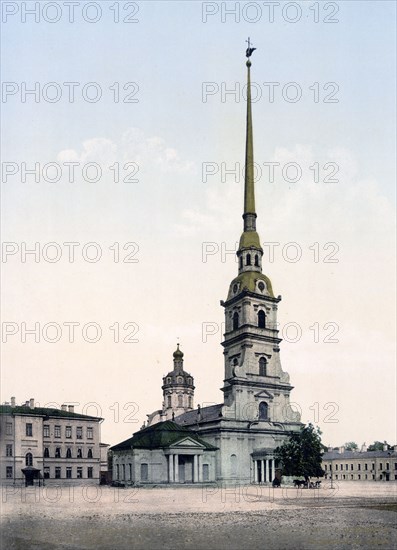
[255,416]
[48,445]
[164,453]
[361,466]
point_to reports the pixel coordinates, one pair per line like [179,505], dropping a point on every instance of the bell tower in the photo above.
[255,386]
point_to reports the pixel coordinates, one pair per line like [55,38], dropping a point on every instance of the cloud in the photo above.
[133,146]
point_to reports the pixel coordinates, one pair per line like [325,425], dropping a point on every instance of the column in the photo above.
[176,468]
[200,468]
[262,471]
[267,470]
[170,468]
[195,469]
[255,472]
[273,469]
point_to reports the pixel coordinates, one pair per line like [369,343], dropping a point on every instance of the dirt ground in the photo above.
[350,515]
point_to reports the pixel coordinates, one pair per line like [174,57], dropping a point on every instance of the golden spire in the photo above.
[249,187]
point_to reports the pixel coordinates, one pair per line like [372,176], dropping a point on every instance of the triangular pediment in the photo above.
[187,442]
[264,394]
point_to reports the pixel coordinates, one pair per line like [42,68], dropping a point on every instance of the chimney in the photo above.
[395,448]
[71,408]
[330,449]
[64,407]
[12,401]
[26,404]
[31,403]
[385,446]
[341,449]
[364,448]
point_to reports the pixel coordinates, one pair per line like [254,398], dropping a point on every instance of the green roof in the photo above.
[248,280]
[159,436]
[249,239]
[42,411]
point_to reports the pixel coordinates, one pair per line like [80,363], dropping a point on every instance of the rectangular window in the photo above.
[118,471]
[336,466]
[395,465]
[57,472]
[351,476]
[380,465]
[359,466]
[46,472]
[58,452]
[9,428]
[366,476]
[144,472]
[341,466]
[373,476]
[387,466]
[8,450]
[336,477]
[57,431]
[29,429]
[69,472]
[46,430]
[79,432]
[90,433]
[206,472]
[79,473]
[351,467]
[325,467]
[68,431]
[9,472]
[359,476]
[365,466]
[123,466]
[90,471]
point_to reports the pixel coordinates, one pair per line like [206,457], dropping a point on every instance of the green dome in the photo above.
[248,280]
[178,354]
[249,239]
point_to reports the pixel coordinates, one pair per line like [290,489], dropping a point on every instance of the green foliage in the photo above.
[378,446]
[351,446]
[301,454]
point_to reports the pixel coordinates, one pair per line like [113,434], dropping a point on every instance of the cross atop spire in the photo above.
[249,51]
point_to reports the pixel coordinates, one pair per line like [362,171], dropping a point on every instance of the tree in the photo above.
[351,446]
[301,454]
[378,446]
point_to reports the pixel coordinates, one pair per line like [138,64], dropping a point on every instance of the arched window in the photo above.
[248,259]
[168,401]
[68,453]
[263,411]
[89,453]
[79,453]
[256,260]
[190,402]
[241,262]
[29,459]
[144,472]
[58,452]
[46,453]
[179,400]
[262,366]
[169,380]
[235,320]
[180,380]
[261,319]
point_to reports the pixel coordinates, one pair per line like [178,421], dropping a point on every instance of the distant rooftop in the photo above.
[197,416]
[42,411]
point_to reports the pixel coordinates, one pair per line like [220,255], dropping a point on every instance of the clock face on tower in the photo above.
[261,286]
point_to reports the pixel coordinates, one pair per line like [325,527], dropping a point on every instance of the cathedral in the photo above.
[234,440]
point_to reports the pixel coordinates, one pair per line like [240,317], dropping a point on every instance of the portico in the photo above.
[264,467]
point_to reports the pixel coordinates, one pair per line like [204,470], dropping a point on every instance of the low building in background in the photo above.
[361,465]
[51,446]
[164,453]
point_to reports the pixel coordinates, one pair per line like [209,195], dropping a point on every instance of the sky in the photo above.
[122,155]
